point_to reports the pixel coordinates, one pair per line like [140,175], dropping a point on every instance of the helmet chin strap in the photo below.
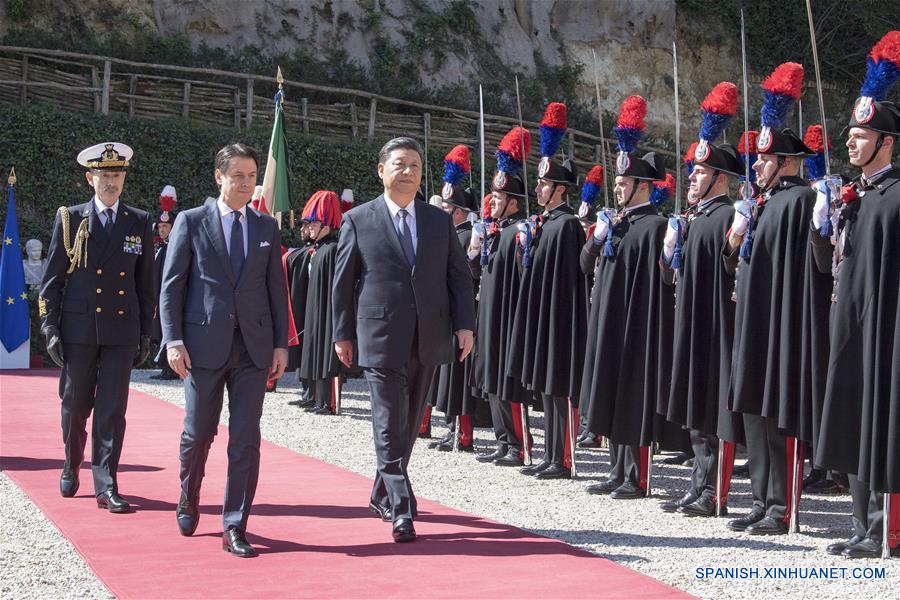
[769,186]
[712,182]
[878,143]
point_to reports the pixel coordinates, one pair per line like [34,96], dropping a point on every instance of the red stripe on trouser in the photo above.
[335,392]
[567,455]
[426,421]
[644,466]
[466,430]
[789,446]
[893,523]
[727,467]
[516,409]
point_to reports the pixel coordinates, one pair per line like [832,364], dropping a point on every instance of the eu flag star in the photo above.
[9,300]
[23,296]
[8,241]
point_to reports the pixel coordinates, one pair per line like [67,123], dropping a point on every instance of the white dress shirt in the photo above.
[635,207]
[410,218]
[100,208]
[227,218]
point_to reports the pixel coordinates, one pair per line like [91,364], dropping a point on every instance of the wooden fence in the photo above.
[108,85]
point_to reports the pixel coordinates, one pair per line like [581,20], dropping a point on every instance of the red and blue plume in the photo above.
[167,199]
[782,88]
[749,154]
[509,152]
[553,128]
[662,190]
[814,140]
[456,165]
[689,158]
[882,67]
[324,207]
[592,184]
[486,206]
[719,106]
[630,127]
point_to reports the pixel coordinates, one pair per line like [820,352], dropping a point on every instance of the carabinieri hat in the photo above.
[553,129]
[718,108]
[871,110]
[782,88]
[456,168]
[512,152]
[167,200]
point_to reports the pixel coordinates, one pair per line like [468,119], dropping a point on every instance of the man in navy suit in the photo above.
[224,320]
[402,290]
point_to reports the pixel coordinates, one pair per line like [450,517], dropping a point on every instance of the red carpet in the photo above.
[310,522]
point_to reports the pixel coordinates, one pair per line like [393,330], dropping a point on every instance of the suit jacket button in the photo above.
[99,271]
[122,274]
[99,309]
[121,292]
[99,290]
[121,312]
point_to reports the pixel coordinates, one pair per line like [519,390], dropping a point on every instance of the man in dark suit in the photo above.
[225,322]
[96,307]
[402,288]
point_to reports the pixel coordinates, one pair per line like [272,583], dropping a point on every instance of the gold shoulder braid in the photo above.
[42,307]
[77,253]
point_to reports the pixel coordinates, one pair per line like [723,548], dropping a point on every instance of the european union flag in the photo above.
[14,324]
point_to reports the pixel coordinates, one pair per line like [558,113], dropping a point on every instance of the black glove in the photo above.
[54,344]
[143,351]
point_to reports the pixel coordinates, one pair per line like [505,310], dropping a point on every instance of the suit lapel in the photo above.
[122,224]
[423,232]
[383,215]
[212,223]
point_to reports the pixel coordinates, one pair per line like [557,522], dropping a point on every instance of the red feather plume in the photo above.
[814,140]
[512,143]
[486,207]
[555,115]
[460,156]
[689,155]
[752,135]
[668,183]
[722,100]
[595,175]
[633,112]
[166,203]
[787,79]
[887,48]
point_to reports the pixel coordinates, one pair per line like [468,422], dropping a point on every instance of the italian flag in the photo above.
[275,197]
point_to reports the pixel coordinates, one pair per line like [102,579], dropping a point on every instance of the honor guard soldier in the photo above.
[861,415]
[769,238]
[96,306]
[163,227]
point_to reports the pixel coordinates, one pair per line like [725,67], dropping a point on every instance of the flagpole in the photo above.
[279,101]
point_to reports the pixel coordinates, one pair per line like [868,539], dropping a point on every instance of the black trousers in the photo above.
[204,394]
[556,411]
[868,510]
[504,426]
[398,404]
[304,390]
[95,378]
[323,392]
[767,454]
[626,464]
[706,463]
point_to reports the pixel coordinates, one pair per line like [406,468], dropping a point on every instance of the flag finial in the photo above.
[279,78]
[12,177]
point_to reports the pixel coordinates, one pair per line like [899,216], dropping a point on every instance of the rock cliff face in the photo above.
[632,39]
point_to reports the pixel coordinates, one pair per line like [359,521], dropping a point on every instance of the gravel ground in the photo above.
[634,533]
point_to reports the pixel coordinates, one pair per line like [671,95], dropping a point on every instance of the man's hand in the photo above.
[143,351]
[604,222]
[476,242]
[179,360]
[671,239]
[344,351]
[279,363]
[466,340]
[54,345]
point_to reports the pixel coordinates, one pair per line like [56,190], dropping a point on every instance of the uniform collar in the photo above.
[562,209]
[871,181]
[708,206]
[790,181]
[513,218]
[464,226]
[99,207]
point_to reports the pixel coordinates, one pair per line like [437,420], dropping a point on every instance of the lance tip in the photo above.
[12,176]
[279,78]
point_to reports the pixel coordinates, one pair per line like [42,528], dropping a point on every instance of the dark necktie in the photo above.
[237,245]
[406,238]
[107,227]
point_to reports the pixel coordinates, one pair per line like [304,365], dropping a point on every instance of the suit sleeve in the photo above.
[278,304]
[343,290]
[54,277]
[174,280]
[145,280]
[459,284]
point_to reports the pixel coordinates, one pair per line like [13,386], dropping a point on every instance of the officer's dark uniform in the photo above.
[96,304]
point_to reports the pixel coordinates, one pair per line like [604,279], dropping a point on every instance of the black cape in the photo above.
[318,359]
[781,296]
[549,330]
[627,363]
[298,283]
[498,301]
[704,328]
[451,391]
[860,429]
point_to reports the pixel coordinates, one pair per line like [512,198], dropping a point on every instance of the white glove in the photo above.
[671,238]
[604,220]
[477,241]
[740,224]
[823,187]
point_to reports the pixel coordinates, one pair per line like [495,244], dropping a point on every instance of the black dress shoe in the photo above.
[469,448]
[113,502]
[757,514]
[591,441]
[68,483]
[187,515]
[308,403]
[487,457]
[555,471]
[866,548]
[234,541]
[603,488]
[404,531]
[826,487]
[510,459]
[768,526]
[445,444]
[814,477]
[628,491]
[674,505]
[535,468]
[324,410]
[838,548]
[704,506]
[383,512]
